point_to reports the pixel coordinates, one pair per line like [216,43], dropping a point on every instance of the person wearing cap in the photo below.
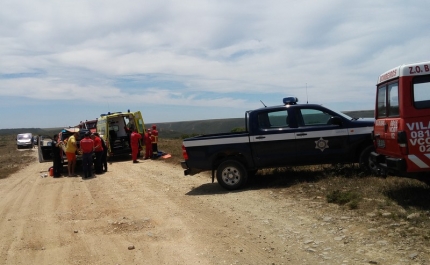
[135,139]
[98,151]
[148,144]
[87,147]
[154,140]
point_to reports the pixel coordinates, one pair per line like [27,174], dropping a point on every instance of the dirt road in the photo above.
[149,213]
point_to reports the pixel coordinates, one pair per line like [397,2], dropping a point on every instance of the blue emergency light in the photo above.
[290,100]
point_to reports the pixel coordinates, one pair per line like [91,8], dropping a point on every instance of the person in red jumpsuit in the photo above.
[148,144]
[134,139]
[154,138]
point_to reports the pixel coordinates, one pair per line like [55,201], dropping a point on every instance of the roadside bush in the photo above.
[344,197]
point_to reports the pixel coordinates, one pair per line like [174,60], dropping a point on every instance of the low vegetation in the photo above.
[12,159]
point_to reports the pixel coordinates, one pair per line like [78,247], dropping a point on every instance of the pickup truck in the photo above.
[287,135]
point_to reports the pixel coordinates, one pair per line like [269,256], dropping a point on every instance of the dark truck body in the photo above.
[287,135]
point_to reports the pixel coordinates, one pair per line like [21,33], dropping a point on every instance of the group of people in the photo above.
[91,143]
[151,143]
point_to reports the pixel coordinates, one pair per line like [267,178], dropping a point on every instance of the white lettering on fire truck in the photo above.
[393,129]
[413,70]
[414,126]
[421,139]
[388,75]
[420,135]
[380,123]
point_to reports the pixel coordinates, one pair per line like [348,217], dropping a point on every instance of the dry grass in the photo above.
[386,202]
[173,147]
[12,159]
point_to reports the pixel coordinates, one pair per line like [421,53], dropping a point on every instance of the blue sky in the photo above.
[66,61]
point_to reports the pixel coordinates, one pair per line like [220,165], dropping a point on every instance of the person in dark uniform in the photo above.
[98,151]
[57,153]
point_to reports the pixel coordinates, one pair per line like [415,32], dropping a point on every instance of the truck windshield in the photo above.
[23,136]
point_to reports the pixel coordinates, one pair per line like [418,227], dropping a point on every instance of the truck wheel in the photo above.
[365,163]
[231,175]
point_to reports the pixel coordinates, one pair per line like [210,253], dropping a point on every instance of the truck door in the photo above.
[273,140]
[318,140]
[387,120]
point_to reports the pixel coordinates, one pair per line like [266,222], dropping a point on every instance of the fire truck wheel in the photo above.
[365,163]
[231,175]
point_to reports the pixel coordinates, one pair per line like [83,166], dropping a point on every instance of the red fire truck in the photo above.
[402,119]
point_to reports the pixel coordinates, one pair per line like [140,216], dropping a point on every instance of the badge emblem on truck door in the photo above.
[321,144]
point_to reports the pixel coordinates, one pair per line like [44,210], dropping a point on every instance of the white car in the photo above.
[24,140]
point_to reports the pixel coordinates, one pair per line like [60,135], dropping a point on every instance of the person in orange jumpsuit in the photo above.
[154,140]
[134,139]
[148,144]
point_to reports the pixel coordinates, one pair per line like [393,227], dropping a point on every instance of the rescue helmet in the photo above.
[154,126]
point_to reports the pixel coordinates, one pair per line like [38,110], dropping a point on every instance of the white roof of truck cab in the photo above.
[414,69]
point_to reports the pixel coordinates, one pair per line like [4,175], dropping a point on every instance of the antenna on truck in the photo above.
[307,93]
[263,103]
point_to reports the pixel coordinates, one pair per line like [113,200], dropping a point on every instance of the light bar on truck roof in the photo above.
[290,100]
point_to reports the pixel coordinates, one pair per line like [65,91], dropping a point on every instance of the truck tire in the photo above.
[365,163]
[231,175]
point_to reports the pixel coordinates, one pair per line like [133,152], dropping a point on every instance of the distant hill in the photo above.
[360,113]
[176,129]
[34,131]
[180,128]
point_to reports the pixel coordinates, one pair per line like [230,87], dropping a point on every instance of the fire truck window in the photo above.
[393,100]
[382,105]
[421,92]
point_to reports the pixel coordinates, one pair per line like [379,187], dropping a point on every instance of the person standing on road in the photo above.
[98,151]
[154,139]
[87,147]
[57,154]
[71,149]
[135,139]
[148,144]
[104,156]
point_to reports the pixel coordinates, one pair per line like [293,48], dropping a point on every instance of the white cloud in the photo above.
[205,53]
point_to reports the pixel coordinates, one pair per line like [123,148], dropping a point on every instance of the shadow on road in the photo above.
[208,189]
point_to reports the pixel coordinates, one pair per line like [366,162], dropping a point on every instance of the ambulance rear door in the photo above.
[138,120]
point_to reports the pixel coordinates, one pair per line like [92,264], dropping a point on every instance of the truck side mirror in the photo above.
[335,121]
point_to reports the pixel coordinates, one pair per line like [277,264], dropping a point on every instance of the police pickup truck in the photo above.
[286,135]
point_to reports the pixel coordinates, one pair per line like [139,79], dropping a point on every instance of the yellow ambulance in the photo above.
[116,127]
